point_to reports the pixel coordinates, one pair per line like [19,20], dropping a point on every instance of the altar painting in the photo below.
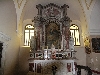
[53,35]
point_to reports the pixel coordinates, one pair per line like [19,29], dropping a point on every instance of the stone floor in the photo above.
[30,73]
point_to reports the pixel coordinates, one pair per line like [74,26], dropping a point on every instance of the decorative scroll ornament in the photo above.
[65,20]
[38,20]
[51,10]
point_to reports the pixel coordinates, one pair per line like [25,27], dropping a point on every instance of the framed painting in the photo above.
[96,45]
[52,31]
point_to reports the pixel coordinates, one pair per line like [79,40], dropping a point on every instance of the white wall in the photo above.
[81,56]
[93,22]
[30,10]
[23,60]
[94,25]
[8,27]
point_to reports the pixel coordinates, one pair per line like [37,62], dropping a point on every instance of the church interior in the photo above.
[39,36]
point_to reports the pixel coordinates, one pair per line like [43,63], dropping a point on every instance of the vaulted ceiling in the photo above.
[80,10]
[73,11]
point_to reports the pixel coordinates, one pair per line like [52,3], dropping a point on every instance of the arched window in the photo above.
[74,29]
[29,31]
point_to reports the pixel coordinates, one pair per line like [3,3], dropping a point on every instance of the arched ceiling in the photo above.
[79,10]
[74,9]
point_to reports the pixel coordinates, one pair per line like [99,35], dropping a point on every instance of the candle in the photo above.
[42,47]
[47,47]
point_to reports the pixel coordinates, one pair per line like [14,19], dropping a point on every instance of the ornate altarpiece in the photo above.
[52,43]
[52,26]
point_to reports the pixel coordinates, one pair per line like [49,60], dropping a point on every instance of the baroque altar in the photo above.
[52,44]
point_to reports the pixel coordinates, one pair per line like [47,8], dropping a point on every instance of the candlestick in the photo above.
[42,47]
[58,52]
[47,52]
[47,47]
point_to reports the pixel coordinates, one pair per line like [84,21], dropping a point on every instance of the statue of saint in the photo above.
[67,36]
[53,51]
[71,43]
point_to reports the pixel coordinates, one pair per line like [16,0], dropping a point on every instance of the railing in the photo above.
[95,72]
[89,71]
[79,67]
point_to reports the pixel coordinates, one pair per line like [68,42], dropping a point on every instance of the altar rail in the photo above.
[88,70]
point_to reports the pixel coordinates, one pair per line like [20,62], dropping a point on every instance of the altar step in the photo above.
[1,71]
[30,73]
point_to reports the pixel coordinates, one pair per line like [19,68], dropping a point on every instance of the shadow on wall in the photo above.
[23,60]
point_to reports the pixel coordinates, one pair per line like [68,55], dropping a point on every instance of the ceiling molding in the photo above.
[83,13]
[88,4]
[19,3]
[94,31]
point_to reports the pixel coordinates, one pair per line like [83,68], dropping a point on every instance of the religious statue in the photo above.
[32,43]
[52,48]
[71,43]
[67,36]
[69,67]
[53,51]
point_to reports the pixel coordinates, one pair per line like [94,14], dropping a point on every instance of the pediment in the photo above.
[52,10]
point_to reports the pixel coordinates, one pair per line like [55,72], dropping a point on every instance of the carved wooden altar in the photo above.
[52,43]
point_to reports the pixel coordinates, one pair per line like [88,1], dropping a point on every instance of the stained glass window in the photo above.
[28,33]
[74,29]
